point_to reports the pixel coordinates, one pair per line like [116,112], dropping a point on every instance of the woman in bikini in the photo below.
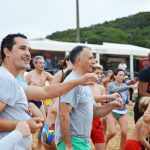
[118,115]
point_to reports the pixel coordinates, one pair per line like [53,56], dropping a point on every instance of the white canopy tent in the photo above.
[106,48]
[49,45]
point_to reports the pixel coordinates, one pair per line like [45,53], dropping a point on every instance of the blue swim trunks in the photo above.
[47,134]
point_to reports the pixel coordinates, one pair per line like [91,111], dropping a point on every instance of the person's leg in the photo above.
[123,122]
[35,110]
[38,135]
[111,127]
[50,119]
[51,146]
[99,146]
[104,120]
[52,112]
[92,145]
[42,109]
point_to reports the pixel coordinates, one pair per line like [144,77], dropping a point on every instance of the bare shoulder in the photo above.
[47,73]
[141,123]
[48,76]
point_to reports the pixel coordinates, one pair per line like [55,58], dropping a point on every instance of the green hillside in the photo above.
[134,29]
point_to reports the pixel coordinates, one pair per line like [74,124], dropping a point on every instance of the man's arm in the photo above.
[143,88]
[104,98]
[144,132]
[5,124]
[101,111]
[49,77]
[64,117]
[56,90]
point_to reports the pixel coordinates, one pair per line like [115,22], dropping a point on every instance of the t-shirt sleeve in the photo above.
[145,75]
[8,91]
[71,97]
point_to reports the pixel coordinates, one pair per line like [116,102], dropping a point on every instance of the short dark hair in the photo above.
[75,52]
[118,70]
[115,73]
[8,42]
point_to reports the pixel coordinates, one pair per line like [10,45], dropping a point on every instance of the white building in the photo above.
[116,52]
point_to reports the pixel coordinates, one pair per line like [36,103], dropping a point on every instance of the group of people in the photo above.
[85,108]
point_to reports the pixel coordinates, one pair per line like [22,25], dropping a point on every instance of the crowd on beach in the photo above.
[76,108]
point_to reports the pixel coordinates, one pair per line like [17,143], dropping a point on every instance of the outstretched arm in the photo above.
[105,98]
[118,89]
[59,89]
[101,111]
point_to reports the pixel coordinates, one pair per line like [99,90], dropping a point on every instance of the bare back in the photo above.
[139,127]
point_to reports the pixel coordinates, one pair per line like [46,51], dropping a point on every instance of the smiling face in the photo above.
[19,56]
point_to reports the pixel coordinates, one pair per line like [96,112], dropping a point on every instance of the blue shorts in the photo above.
[47,135]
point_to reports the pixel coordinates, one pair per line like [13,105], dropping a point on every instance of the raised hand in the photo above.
[23,127]
[133,86]
[35,123]
[114,96]
[117,103]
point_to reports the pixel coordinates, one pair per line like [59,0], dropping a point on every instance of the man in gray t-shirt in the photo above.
[77,107]
[17,108]
[81,100]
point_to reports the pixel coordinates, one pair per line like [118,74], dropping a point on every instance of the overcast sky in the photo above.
[38,18]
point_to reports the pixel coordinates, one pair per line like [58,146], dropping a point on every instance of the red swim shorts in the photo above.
[97,133]
[132,145]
